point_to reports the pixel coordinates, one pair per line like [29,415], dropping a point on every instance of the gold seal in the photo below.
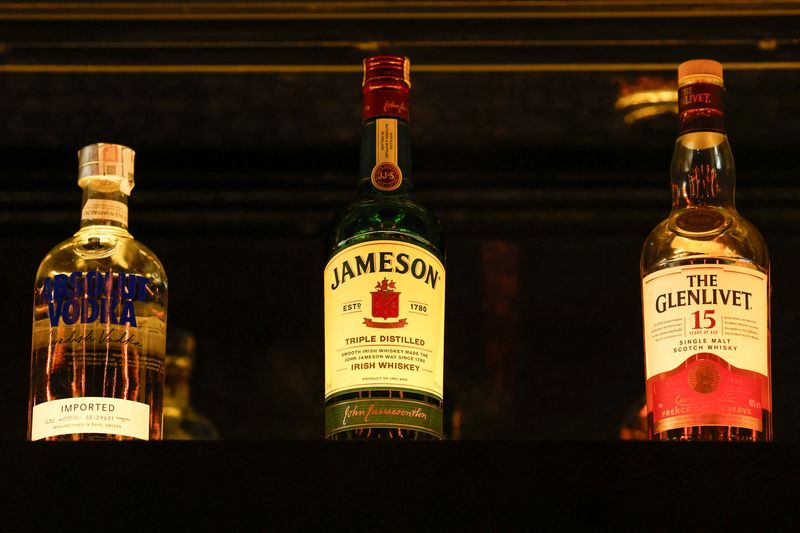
[704,378]
[386,176]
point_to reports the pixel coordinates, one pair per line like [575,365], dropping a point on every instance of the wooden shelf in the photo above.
[479,485]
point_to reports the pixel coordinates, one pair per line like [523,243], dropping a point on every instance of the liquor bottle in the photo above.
[99,319]
[384,283]
[181,420]
[706,287]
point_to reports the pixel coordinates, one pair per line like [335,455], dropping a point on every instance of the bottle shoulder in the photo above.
[102,249]
[372,217]
[698,233]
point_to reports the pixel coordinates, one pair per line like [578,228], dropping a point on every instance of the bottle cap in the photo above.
[699,67]
[113,162]
[387,70]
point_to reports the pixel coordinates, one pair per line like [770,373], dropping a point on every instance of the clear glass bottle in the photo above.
[99,319]
[181,420]
[706,287]
[384,283]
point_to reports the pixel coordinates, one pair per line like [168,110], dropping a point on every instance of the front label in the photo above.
[86,297]
[97,354]
[706,330]
[90,415]
[384,319]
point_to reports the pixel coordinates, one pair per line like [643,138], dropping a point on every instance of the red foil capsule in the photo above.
[387,82]
[700,96]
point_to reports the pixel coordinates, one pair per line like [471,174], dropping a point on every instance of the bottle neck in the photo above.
[104,204]
[385,168]
[702,171]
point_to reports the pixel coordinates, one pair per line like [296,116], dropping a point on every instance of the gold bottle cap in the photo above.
[112,162]
[699,67]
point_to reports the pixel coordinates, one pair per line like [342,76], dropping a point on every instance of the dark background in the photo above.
[246,124]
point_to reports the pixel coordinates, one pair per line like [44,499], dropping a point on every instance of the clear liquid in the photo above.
[97,359]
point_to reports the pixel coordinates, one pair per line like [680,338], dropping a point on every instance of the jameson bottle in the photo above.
[99,319]
[706,288]
[384,284]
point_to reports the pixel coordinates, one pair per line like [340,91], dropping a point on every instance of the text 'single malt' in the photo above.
[384,284]
[706,287]
[99,319]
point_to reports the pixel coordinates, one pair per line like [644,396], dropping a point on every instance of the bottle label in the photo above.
[90,415]
[95,209]
[94,296]
[706,330]
[98,340]
[384,319]
[386,175]
[383,412]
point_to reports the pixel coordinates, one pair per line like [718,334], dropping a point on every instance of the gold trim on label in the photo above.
[682,421]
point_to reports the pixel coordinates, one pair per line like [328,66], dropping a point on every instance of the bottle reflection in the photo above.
[634,424]
[181,421]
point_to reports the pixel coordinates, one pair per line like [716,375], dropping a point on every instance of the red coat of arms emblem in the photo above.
[385,305]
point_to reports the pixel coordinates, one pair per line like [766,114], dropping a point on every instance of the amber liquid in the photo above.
[704,227]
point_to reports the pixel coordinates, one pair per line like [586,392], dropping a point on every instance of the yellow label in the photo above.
[386,175]
[384,319]
[719,309]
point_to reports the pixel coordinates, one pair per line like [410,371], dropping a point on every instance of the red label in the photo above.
[707,391]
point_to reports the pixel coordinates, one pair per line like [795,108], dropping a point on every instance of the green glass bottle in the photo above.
[384,284]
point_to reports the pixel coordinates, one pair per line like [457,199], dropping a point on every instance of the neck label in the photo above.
[96,209]
[386,175]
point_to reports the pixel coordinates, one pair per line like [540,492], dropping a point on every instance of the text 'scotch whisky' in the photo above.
[706,288]
[384,284]
[99,319]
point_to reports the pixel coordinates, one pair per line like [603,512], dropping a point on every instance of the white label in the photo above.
[384,319]
[95,209]
[692,309]
[111,416]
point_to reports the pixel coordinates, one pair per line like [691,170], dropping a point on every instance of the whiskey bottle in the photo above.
[384,283]
[706,288]
[99,319]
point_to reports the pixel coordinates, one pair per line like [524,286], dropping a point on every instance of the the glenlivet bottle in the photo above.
[706,288]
